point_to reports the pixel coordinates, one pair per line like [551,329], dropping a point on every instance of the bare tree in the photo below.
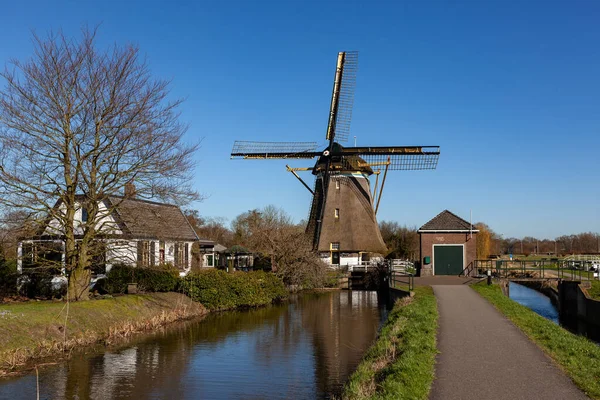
[401,241]
[77,120]
[212,228]
[271,232]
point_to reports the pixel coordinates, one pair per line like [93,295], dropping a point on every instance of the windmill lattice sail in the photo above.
[263,150]
[343,115]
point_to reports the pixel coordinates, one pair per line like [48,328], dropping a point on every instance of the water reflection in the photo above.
[302,349]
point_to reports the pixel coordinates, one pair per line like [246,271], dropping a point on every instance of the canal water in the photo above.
[303,349]
[534,300]
[542,305]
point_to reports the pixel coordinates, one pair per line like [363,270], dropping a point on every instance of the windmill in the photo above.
[342,220]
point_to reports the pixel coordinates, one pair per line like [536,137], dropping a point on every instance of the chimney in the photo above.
[130,190]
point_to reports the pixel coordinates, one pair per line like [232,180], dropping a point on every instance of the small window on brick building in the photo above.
[335,245]
[337,183]
[337,212]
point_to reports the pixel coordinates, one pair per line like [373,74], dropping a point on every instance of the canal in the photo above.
[534,300]
[303,349]
[542,305]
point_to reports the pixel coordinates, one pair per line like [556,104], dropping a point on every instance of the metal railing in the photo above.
[363,267]
[402,281]
[405,266]
[538,269]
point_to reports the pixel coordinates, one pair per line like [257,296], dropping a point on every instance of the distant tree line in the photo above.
[490,242]
[402,241]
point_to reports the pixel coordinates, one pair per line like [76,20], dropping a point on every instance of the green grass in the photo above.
[400,364]
[594,291]
[576,355]
[36,329]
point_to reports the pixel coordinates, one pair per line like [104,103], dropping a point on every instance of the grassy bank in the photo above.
[594,291]
[400,365]
[576,355]
[36,329]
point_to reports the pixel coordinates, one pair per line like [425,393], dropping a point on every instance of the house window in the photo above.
[181,255]
[84,214]
[186,255]
[210,260]
[337,212]
[152,253]
[161,252]
[97,254]
[143,253]
[335,245]
[337,183]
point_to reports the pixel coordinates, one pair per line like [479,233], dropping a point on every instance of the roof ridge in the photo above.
[440,223]
[144,201]
[462,219]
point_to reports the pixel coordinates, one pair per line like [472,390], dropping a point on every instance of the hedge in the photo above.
[8,279]
[219,290]
[158,279]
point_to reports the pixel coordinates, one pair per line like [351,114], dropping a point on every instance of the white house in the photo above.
[131,231]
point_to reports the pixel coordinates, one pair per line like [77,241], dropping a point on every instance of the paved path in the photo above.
[484,356]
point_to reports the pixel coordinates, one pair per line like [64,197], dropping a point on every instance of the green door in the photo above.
[448,260]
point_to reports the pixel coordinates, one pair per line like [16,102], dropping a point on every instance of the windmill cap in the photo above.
[341,163]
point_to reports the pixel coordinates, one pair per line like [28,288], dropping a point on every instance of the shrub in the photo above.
[8,278]
[157,279]
[40,283]
[332,279]
[218,290]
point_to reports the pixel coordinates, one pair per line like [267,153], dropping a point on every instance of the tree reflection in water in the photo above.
[305,348]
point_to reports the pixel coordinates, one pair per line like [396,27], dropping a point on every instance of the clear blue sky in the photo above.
[510,90]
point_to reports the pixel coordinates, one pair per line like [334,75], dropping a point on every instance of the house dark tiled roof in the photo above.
[447,221]
[146,219]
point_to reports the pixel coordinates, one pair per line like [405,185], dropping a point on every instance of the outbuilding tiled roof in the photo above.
[447,221]
[146,219]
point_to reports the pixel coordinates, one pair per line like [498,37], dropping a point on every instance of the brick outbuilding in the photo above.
[448,245]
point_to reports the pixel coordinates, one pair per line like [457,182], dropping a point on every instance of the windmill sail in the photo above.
[400,158]
[341,113]
[265,150]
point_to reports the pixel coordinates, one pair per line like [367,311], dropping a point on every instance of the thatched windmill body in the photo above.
[342,221]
